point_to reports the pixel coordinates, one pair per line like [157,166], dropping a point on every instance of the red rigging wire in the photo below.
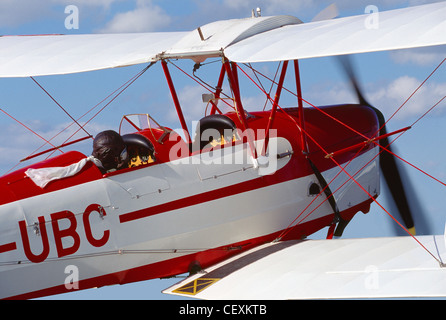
[376,201]
[429,110]
[31,130]
[342,123]
[289,91]
[198,82]
[118,91]
[355,131]
[288,229]
[413,93]
[290,226]
[46,141]
[328,184]
[59,105]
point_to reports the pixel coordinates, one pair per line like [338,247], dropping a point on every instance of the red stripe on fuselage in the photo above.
[177,265]
[8,247]
[205,197]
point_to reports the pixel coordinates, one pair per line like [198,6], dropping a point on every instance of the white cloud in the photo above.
[17,142]
[144,18]
[390,97]
[330,93]
[191,104]
[419,56]
[89,3]
[268,7]
[387,96]
[14,13]
[307,9]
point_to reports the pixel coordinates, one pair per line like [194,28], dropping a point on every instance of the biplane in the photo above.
[232,201]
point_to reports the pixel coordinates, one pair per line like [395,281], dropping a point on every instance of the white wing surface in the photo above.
[23,56]
[411,27]
[241,40]
[212,39]
[325,269]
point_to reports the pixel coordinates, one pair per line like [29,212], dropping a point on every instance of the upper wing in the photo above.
[324,269]
[241,40]
[411,27]
[23,56]
[212,39]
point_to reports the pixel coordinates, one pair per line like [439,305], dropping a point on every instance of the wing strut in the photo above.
[275,104]
[233,81]
[175,100]
[301,107]
[218,91]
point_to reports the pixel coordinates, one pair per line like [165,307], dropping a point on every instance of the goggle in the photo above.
[122,157]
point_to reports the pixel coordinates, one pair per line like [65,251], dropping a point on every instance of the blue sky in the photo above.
[387,78]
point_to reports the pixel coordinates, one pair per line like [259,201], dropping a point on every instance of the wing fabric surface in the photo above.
[396,29]
[23,56]
[259,39]
[326,269]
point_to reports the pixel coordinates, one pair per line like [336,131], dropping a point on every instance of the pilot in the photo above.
[109,151]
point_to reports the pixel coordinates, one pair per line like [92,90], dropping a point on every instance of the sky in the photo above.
[387,79]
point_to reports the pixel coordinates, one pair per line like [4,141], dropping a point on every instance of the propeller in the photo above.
[397,182]
[330,12]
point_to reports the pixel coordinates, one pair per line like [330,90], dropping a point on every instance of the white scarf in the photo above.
[43,176]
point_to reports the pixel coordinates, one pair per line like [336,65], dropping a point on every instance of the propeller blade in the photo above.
[347,66]
[392,176]
[388,164]
[330,12]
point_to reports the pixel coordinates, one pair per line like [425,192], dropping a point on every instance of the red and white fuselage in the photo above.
[162,219]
